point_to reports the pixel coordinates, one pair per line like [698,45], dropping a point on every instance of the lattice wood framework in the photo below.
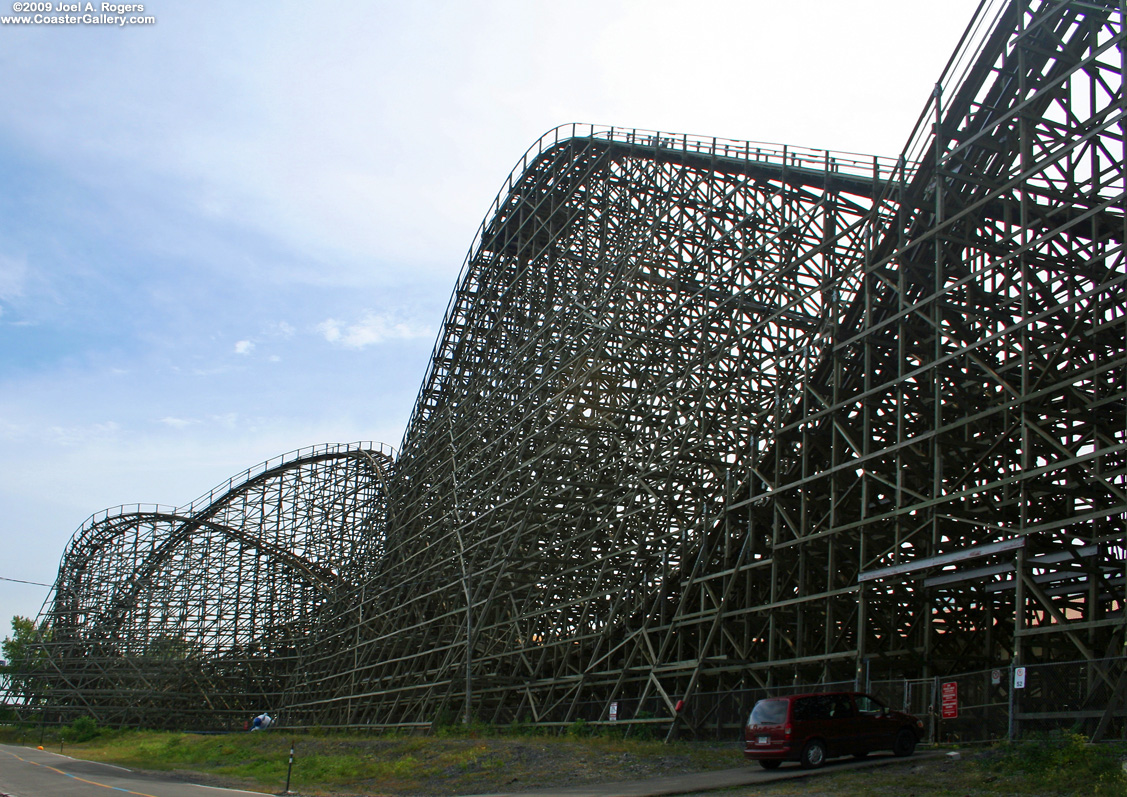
[710,414]
[707,414]
[192,615]
[629,325]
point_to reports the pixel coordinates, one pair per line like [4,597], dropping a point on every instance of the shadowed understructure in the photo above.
[703,415]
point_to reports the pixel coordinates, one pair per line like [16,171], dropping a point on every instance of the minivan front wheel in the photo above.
[813,754]
[769,763]
[905,743]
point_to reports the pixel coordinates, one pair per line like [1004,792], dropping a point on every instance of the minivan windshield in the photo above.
[772,711]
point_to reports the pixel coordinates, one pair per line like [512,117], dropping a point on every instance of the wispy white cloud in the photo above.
[80,435]
[226,420]
[280,329]
[179,423]
[13,277]
[244,347]
[372,329]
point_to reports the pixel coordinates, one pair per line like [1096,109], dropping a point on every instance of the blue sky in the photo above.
[233,233]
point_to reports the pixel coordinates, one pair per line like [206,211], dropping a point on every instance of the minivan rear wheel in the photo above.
[905,743]
[813,754]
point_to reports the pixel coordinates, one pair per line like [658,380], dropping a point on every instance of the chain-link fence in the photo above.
[1012,702]
[1009,702]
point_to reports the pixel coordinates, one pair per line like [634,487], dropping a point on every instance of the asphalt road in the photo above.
[27,772]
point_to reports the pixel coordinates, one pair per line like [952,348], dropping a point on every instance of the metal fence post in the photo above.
[1010,690]
[933,715]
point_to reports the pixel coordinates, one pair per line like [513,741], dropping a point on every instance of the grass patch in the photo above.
[1062,764]
[1058,765]
[477,760]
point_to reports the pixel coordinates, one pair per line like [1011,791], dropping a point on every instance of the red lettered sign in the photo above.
[950,700]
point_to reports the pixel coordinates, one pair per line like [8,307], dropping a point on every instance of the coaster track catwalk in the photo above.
[708,415]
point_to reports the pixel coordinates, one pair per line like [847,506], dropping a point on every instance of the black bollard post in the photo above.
[289,769]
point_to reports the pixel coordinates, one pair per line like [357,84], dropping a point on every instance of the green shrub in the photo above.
[82,729]
[1058,761]
[458,730]
[579,729]
[522,729]
[443,720]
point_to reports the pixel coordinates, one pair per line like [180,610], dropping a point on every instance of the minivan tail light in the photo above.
[786,729]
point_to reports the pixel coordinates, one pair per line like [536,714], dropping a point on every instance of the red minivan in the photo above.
[811,728]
